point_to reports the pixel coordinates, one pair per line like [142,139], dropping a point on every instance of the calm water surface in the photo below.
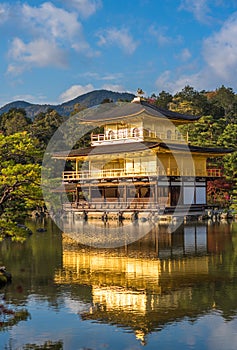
[166,291]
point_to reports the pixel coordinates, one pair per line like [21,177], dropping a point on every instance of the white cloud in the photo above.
[106,76]
[184,55]
[112,76]
[40,53]
[74,91]
[113,87]
[199,9]
[161,37]
[50,21]
[118,37]
[90,75]
[86,7]
[52,32]
[219,66]
[163,82]
[220,50]
[4,12]
[84,48]
[166,81]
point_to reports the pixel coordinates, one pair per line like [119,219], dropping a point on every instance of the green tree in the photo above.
[228,139]
[163,99]
[205,132]
[190,101]
[78,107]
[45,125]
[14,121]
[106,100]
[20,174]
[225,100]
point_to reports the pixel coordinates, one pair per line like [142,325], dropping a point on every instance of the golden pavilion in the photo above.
[140,161]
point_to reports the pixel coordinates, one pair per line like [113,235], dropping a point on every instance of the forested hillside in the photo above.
[87,100]
[23,141]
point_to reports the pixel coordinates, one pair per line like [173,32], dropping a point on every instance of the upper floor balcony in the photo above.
[124,173]
[136,135]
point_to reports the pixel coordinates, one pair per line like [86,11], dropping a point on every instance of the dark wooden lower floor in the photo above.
[140,194]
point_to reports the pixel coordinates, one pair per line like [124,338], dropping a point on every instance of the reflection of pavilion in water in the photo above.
[97,234]
[144,285]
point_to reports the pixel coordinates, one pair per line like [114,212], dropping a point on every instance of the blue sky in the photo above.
[53,51]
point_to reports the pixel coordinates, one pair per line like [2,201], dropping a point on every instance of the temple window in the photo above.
[168,134]
[111,134]
[135,132]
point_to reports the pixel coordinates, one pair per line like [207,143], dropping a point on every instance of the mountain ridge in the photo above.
[88,99]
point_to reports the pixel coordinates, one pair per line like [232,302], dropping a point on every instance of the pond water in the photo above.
[169,290]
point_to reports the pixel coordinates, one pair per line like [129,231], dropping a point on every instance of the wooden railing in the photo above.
[125,173]
[140,135]
[105,173]
[214,172]
[117,205]
[99,138]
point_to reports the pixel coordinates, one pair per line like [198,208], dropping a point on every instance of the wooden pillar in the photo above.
[125,193]
[156,192]
[157,241]
[138,191]
[77,195]
[169,193]
[89,193]
[195,189]
[103,194]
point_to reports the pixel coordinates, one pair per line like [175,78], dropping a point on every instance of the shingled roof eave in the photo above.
[171,114]
[139,108]
[196,149]
[139,147]
[105,149]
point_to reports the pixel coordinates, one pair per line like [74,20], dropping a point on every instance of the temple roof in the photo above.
[138,147]
[120,110]
[195,149]
[109,149]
